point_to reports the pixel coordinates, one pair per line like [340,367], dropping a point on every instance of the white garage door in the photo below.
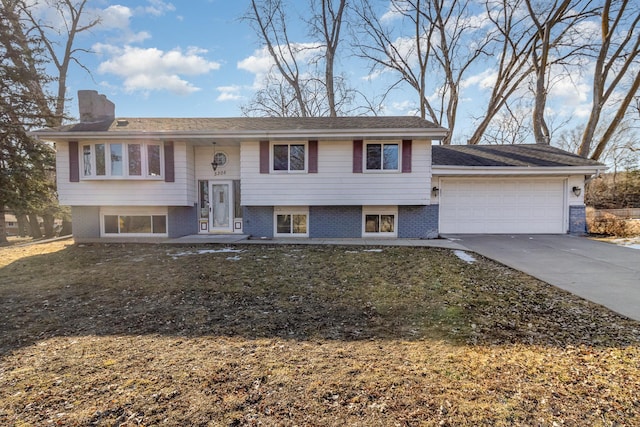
[502,205]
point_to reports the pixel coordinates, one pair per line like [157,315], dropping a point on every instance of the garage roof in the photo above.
[524,155]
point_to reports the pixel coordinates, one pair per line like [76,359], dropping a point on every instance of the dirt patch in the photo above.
[285,335]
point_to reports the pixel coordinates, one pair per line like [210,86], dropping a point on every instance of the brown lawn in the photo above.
[311,336]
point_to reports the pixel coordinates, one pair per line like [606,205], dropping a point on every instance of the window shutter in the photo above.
[406,155]
[169,164]
[357,156]
[264,156]
[313,156]
[74,164]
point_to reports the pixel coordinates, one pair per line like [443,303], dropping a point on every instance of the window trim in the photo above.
[380,210]
[286,210]
[382,143]
[272,145]
[144,161]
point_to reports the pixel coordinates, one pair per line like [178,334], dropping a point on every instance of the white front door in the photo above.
[221,206]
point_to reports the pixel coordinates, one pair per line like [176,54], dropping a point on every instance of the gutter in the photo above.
[402,133]
[440,170]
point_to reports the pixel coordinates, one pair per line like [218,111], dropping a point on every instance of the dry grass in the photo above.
[607,224]
[148,335]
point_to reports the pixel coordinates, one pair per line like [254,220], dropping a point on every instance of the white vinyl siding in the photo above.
[131,192]
[204,157]
[502,205]
[335,184]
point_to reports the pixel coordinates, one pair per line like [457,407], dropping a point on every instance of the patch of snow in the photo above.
[234,258]
[372,250]
[465,256]
[633,243]
[206,251]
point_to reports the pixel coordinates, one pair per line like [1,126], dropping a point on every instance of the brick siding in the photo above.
[335,221]
[418,222]
[258,221]
[577,220]
[182,221]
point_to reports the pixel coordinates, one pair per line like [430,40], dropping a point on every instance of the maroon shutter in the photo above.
[313,156]
[406,156]
[357,156]
[74,163]
[264,156]
[169,167]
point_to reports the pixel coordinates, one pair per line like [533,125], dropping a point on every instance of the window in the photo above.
[120,160]
[380,222]
[291,222]
[289,157]
[382,157]
[135,224]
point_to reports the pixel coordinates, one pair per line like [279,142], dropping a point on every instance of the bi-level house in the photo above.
[345,177]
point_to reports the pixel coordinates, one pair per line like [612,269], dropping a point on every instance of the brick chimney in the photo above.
[95,107]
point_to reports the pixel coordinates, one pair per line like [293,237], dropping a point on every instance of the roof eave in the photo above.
[443,170]
[404,133]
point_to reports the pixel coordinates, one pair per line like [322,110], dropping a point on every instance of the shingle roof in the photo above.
[250,124]
[525,155]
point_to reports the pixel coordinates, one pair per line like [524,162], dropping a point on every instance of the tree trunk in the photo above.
[34,226]
[49,230]
[66,228]
[3,227]
[23,225]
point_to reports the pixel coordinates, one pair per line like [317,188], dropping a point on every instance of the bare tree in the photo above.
[616,65]
[439,46]
[555,42]
[71,14]
[326,25]
[309,68]
[509,125]
[21,26]
[408,56]
[270,22]
[512,42]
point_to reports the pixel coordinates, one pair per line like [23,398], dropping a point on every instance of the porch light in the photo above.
[577,191]
[435,191]
[214,163]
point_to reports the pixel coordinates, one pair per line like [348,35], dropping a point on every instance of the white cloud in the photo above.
[261,64]
[229,93]
[157,8]
[154,69]
[258,63]
[484,80]
[115,17]
[395,11]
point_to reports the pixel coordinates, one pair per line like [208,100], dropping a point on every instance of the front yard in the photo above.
[285,335]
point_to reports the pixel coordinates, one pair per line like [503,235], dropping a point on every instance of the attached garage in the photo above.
[509,189]
[502,205]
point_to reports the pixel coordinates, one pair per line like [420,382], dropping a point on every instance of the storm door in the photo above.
[221,206]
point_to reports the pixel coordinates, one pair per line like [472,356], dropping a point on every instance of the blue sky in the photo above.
[156,58]
[198,58]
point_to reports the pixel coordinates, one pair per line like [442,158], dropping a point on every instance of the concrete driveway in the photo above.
[600,272]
